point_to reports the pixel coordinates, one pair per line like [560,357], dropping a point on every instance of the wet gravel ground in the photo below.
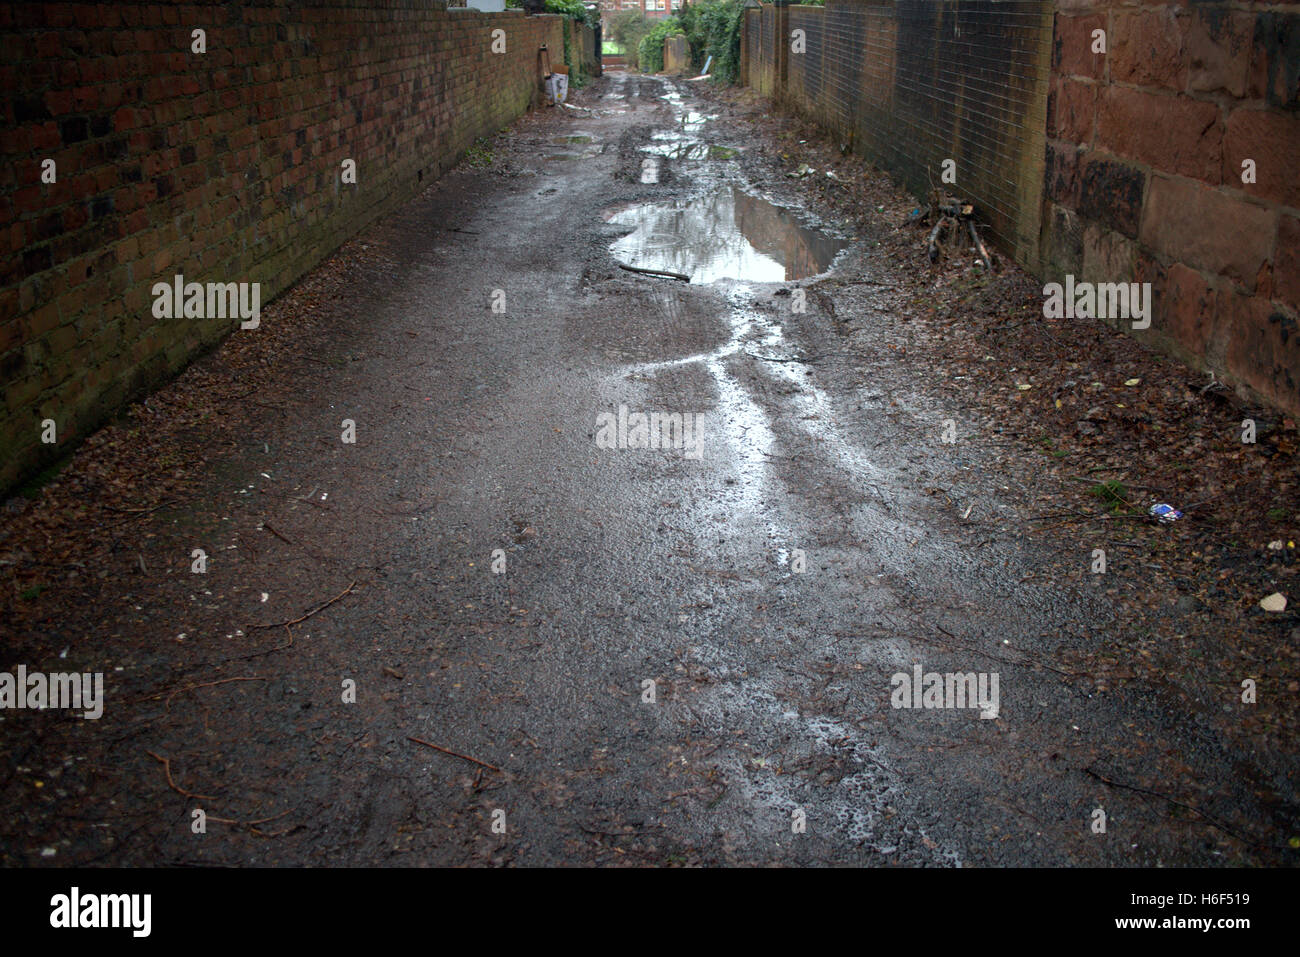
[512,592]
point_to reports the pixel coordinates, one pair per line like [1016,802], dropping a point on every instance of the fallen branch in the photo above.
[295,621]
[933,242]
[454,754]
[655,272]
[979,245]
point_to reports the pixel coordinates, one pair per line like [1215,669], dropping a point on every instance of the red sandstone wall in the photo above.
[1144,174]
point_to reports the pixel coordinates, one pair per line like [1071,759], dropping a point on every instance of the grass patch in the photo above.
[1112,494]
[479,156]
[1049,446]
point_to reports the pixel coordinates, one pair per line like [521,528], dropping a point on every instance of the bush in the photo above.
[650,51]
[627,29]
[574,10]
[712,28]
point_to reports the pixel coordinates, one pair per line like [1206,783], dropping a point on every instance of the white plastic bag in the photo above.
[557,88]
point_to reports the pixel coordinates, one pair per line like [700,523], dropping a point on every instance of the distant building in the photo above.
[651,8]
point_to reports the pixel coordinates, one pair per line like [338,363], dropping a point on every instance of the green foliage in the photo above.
[1113,494]
[626,29]
[479,156]
[650,51]
[574,10]
[712,28]
[577,77]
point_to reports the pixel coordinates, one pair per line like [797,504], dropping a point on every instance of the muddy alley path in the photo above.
[480,572]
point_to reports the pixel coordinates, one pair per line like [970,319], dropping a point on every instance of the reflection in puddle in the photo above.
[724,234]
[679,148]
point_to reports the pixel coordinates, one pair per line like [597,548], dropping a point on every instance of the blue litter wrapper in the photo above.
[1166,513]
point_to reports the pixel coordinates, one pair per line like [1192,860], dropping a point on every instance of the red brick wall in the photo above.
[1144,175]
[223,166]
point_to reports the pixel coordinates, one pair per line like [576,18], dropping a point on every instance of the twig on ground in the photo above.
[139,511]
[263,820]
[454,754]
[267,526]
[656,272]
[205,684]
[295,621]
[783,360]
[1210,819]
[167,768]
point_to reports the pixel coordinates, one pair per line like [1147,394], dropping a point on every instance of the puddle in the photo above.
[649,170]
[572,140]
[726,234]
[677,148]
[693,122]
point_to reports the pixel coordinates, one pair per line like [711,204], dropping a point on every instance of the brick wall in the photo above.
[911,83]
[224,166]
[1122,166]
[1145,169]
[583,49]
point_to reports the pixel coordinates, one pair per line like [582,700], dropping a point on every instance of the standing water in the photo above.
[727,233]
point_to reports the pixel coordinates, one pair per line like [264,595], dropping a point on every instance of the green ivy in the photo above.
[713,28]
[574,10]
[650,52]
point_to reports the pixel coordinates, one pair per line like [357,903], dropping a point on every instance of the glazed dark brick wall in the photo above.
[910,83]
